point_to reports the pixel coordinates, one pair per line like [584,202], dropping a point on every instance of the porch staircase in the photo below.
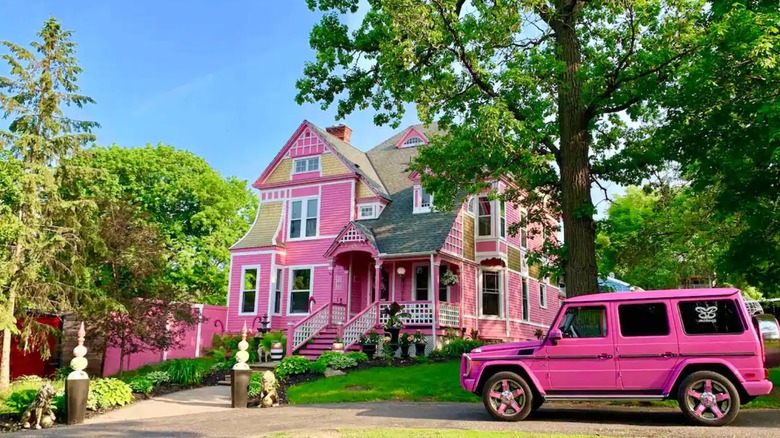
[319,344]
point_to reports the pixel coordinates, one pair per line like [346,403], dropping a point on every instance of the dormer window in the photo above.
[303,165]
[423,201]
[412,142]
[368,211]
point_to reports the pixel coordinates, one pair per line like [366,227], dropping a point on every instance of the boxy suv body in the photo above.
[700,347]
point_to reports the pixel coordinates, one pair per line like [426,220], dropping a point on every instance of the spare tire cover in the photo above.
[770,336]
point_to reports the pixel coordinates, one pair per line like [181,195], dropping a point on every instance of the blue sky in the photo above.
[215,78]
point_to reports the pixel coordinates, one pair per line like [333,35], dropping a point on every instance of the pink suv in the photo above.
[700,347]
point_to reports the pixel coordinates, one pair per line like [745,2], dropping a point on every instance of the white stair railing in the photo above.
[305,329]
[359,325]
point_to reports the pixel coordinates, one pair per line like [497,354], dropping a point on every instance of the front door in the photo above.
[646,345]
[584,360]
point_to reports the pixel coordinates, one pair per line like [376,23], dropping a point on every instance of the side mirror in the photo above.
[555,335]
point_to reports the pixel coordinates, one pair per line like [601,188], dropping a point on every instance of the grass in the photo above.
[433,382]
[428,382]
[418,433]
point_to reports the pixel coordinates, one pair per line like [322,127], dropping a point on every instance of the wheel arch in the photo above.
[687,368]
[520,369]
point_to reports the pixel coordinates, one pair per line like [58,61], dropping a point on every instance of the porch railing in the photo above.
[449,315]
[359,325]
[339,313]
[306,328]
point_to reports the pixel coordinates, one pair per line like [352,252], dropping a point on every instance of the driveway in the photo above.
[565,419]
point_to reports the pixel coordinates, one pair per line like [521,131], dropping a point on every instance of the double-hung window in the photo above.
[526,310]
[249,280]
[426,199]
[444,290]
[300,290]
[485,218]
[303,218]
[278,292]
[491,293]
[421,279]
[502,221]
[303,165]
[542,295]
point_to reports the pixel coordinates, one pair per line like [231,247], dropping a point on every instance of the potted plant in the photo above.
[368,343]
[338,345]
[394,313]
[419,343]
[405,340]
[277,350]
[449,278]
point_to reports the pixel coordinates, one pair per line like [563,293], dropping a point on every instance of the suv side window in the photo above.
[584,322]
[713,317]
[647,319]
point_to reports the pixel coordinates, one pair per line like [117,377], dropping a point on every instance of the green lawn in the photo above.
[429,382]
[418,433]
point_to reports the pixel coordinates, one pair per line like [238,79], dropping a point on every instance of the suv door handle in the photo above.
[668,354]
[604,356]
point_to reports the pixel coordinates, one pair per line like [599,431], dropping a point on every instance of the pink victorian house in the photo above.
[341,233]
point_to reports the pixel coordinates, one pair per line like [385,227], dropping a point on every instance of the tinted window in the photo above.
[584,322]
[649,319]
[710,317]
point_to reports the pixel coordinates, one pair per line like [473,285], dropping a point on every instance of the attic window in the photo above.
[412,141]
[303,165]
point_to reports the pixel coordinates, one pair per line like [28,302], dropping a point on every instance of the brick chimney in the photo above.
[340,131]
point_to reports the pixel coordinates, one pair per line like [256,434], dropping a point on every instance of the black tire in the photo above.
[708,398]
[507,397]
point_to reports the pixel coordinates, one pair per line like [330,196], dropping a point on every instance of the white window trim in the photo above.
[273,292]
[374,211]
[469,205]
[297,160]
[290,284]
[542,294]
[498,223]
[414,281]
[304,217]
[492,217]
[501,309]
[241,290]
[406,143]
[525,300]
[418,191]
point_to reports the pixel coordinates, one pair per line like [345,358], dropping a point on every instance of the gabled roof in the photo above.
[349,235]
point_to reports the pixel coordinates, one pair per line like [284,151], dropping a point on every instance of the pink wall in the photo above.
[195,340]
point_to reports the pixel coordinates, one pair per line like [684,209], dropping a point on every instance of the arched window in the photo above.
[411,142]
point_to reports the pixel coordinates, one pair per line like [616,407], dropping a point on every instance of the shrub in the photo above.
[255,385]
[107,393]
[141,385]
[230,344]
[29,379]
[437,355]
[328,356]
[342,362]
[359,356]
[158,377]
[292,365]
[271,337]
[421,359]
[183,371]
[456,347]
[62,372]
[20,400]
[317,367]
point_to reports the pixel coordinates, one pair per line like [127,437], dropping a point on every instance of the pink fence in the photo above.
[195,340]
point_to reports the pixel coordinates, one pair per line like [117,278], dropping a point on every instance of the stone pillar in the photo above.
[77,383]
[240,374]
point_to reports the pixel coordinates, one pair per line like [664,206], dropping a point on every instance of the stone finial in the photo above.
[79,362]
[242,355]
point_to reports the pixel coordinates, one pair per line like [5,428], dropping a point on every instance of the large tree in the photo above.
[722,126]
[41,253]
[198,213]
[527,88]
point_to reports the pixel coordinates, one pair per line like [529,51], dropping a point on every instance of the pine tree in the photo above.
[41,254]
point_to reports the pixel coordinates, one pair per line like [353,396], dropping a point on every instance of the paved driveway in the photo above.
[564,419]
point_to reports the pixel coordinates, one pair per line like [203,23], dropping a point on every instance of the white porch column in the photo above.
[434,282]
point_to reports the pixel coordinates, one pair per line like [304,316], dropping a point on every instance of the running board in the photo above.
[605,397]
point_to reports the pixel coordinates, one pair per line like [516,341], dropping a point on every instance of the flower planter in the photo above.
[419,349]
[369,349]
[277,351]
[405,351]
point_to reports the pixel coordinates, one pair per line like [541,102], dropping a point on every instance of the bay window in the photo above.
[485,218]
[491,293]
[502,221]
[303,218]
[249,282]
[300,290]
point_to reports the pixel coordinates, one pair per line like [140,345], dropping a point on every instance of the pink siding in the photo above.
[305,191]
[235,321]
[486,245]
[454,241]
[305,175]
[334,208]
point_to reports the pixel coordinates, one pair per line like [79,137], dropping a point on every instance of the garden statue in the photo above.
[40,414]
[269,395]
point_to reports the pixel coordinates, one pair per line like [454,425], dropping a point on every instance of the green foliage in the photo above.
[328,356]
[141,385]
[230,344]
[158,377]
[62,372]
[20,400]
[358,356]
[456,347]
[370,338]
[255,385]
[421,359]
[342,362]
[271,337]
[184,371]
[107,393]
[317,367]
[292,365]
[437,355]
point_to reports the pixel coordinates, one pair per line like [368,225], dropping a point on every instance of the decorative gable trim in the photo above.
[350,238]
[408,139]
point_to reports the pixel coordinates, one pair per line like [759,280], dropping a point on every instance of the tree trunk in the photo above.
[5,363]
[579,231]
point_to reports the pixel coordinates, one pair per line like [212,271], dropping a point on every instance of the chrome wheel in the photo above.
[507,397]
[708,399]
